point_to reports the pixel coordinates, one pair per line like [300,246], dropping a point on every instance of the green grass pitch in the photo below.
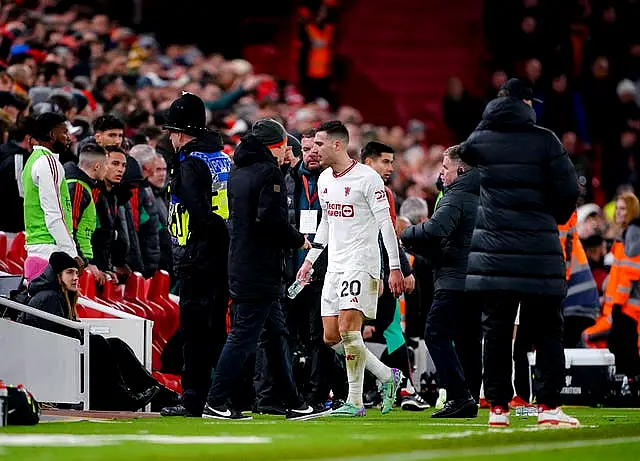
[606,435]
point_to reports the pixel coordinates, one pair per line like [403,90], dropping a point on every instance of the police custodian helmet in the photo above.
[188,115]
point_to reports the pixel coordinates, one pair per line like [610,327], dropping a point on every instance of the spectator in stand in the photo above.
[83,181]
[47,205]
[118,381]
[461,111]
[13,156]
[562,110]
[581,164]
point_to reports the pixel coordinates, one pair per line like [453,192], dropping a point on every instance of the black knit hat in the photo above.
[60,261]
[269,132]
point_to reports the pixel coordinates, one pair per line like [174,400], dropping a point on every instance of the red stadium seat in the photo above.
[18,251]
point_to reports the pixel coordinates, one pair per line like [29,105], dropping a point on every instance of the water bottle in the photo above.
[4,404]
[297,286]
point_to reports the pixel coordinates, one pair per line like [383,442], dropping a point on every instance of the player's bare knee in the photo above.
[332,338]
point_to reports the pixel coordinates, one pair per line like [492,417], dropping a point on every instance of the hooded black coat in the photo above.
[444,240]
[46,295]
[258,223]
[527,187]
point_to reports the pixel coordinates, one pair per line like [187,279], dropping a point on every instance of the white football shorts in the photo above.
[349,290]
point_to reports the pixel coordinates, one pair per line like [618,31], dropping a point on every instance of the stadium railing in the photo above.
[54,367]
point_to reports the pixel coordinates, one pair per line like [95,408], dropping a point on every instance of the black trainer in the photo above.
[178,410]
[223,412]
[458,408]
[306,412]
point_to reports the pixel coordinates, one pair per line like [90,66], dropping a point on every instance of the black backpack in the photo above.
[23,409]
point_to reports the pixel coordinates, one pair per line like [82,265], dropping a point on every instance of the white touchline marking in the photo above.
[453,424]
[64,440]
[473,452]
[238,423]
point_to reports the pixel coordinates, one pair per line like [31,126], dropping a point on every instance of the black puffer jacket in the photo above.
[46,295]
[527,187]
[12,216]
[191,182]
[445,239]
[258,223]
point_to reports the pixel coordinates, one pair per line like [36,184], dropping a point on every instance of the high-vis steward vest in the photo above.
[84,224]
[36,231]
[219,165]
[319,63]
[582,298]
[622,288]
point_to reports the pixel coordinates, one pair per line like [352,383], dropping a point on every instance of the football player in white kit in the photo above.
[354,210]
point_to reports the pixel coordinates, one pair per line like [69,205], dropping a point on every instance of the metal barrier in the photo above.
[55,368]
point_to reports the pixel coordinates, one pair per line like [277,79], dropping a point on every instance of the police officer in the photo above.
[198,211]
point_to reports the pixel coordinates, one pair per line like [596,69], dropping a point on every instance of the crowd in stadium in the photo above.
[98,94]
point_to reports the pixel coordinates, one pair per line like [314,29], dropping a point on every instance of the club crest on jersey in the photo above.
[347,190]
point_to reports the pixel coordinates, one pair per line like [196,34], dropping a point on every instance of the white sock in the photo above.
[339,348]
[355,356]
[379,369]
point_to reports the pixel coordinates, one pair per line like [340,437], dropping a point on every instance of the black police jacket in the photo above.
[191,185]
[259,228]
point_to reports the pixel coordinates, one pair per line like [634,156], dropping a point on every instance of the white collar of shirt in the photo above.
[48,151]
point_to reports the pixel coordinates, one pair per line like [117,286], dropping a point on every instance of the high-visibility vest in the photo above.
[319,60]
[582,298]
[621,288]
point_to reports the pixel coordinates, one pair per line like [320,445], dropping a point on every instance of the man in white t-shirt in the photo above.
[354,210]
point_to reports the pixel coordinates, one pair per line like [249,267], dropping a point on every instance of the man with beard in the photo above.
[305,214]
[197,224]
[47,205]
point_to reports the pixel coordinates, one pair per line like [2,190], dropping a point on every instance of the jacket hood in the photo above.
[47,281]
[468,182]
[209,142]
[505,114]
[73,171]
[133,173]
[252,151]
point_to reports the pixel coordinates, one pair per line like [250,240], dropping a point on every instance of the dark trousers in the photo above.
[115,374]
[541,318]
[253,320]
[203,311]
[623,343]
[454,338]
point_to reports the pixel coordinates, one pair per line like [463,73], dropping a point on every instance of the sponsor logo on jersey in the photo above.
[380,195]
[340,210]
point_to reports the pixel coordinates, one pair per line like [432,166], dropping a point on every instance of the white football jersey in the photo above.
[349,201]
